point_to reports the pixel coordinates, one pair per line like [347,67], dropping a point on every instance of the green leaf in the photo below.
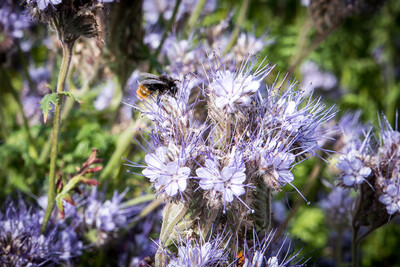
[45,104]
[72,95]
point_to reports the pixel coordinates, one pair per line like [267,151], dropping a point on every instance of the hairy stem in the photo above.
[66,110]
[51,197]
[172,215]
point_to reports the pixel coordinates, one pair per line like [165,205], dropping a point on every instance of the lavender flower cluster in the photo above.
[244,136]
[245,145]
[371,164]
[94,221]
[23,244]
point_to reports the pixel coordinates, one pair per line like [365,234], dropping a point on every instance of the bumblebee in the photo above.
[162,84]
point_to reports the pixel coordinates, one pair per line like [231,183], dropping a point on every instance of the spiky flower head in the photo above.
[196,251]
[267,252]
[23,244]
[371,167]
[222,167]
[244,136]
[69,18]
[104,217]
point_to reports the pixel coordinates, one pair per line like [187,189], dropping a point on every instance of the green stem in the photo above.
[167,30]
[317,41]
[241,18]
[172,214]
[66,61]
[355,227]
[195,15]
[67,107]
[354,247]
[123,145]
[339,248]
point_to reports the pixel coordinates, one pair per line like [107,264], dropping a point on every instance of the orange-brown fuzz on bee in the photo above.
[142,91]
[240,259]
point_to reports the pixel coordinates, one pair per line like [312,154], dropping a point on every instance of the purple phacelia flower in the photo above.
[204,255]
[166,169]
[174,178]
[353,132]
[337,206]
[110,215]
[231,89]
[265,252]
[23,244]
[353,170]
[312,75]
[391,197]
[43,4]
[194,251]
[225,180]
[12,23]
[105,95]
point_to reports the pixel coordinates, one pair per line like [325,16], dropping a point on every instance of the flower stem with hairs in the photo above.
[65,64]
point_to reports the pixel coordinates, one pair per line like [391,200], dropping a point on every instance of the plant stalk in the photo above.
[51,197]
[240,21]
[165,34]
[195,15]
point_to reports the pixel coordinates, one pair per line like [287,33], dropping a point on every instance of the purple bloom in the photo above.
[154,9]
[230,90]
[391,197]
[105,96]
[312,75]
[43,4]
[12,22]
[110,215]
[338,206]
[193,252]
[272,254]
[228,181]
[354,171]
[166,170]
[353,132]
[174,178]
[23,244]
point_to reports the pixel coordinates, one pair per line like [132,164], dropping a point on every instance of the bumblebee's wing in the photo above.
[146,75]
[151,82]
